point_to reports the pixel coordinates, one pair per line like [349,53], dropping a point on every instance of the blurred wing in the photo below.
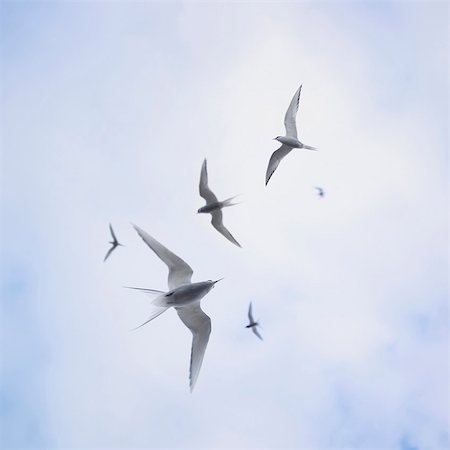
[275,160]
[217,223]
[205,192]
[109,252]
[291,114]
[250,315]
[256,332]
[112,233]
[179,271]
[200,325]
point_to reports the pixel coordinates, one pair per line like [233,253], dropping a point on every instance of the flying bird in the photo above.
[185,297]
[253,324]
[213,206]
[289,141]
[114,243]
[320,191]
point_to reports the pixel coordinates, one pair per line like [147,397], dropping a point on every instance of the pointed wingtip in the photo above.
[135,227]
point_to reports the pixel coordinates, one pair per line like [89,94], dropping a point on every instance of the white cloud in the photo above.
[117,130]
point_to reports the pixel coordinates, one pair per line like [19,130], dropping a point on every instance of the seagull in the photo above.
[115,243]
[252,323]
[320,191]
[185,297]
[289,141]
[213,206]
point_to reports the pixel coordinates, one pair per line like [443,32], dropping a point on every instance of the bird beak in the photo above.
[218,281]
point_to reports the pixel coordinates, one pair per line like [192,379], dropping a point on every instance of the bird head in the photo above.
[214,282]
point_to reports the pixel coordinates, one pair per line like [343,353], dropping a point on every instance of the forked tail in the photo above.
[157,311]
[158,302]
[228,201]
[307,147]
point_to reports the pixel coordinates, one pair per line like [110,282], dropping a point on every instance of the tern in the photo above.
[185,297]
[115,243]
[253,324]
[320,191]
[289,141]
[213,206]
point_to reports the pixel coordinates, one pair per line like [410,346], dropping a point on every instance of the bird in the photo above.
[320,191]
[213,206]
[289,141]
[115,243]
[253,324]
[184,296]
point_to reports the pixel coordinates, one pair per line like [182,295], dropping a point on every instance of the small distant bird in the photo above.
[320,191]
[115,243]
[289,141]
[213,206]
[253,324]
[185,297]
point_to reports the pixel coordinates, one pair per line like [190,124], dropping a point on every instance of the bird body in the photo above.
[187,294]
[320,191]
[214,206]
[290,141]
[185,297]
[114,243]
[253,324]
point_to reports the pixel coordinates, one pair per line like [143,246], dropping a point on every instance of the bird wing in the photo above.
[112,233]
[109,252]
[217,223]
[256,332]
[250,315]
[275,160]
[291,114]
[179,271]
[205,191]
[200,325]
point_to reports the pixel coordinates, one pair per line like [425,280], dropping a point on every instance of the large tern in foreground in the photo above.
[213,206]
[289,141]
[185,297]
[252,322]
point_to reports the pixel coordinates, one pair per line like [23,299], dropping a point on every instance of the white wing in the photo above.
[256,332]
[200,325]
[275,160]
[205,192]
[112,233]
[291,114]
[250,315]
[217,223]
[179,271]
[109,252]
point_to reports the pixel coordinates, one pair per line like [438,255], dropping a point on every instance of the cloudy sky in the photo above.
[108,109]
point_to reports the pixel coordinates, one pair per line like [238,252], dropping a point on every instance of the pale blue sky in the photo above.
[108,110]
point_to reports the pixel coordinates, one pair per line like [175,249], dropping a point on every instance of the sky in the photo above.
[108,109]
